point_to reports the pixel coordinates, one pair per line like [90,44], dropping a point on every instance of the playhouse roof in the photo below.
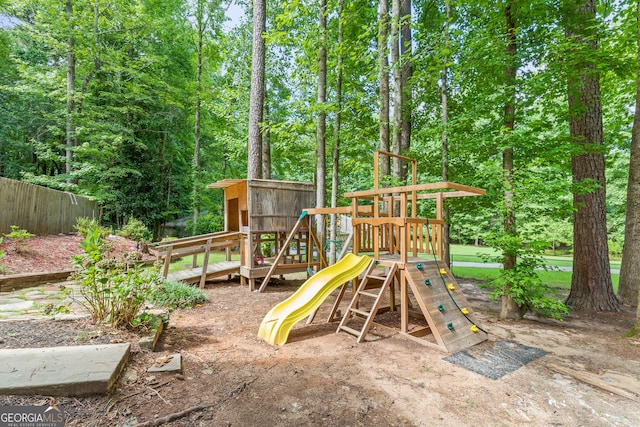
[226,183]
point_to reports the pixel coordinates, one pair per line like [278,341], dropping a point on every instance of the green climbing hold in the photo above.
[440,307]
[427,282]
[419,266]
[450,326]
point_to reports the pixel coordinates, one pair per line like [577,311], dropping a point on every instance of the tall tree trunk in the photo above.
[71,85]
[406,52]
[628,288]
[196,141]
[256,97]
[321,158]
[397,88]
[509,309]
[333,232]
[591,286]
[383,77]
[266,141]
[446,238]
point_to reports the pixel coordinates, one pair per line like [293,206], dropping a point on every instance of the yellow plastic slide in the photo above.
[280,319]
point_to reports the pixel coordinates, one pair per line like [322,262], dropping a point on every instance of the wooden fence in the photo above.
[41,210]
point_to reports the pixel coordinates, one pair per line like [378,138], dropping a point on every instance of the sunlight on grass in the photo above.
[555,279]
[186,262]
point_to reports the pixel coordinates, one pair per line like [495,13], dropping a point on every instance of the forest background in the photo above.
[140,104]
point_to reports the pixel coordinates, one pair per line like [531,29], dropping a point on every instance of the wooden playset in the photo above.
[407,252]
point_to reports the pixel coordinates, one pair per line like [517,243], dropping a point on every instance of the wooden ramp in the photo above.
[194,275]
[444,306]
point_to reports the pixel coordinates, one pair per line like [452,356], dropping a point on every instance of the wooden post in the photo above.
[167,261]
[205,264]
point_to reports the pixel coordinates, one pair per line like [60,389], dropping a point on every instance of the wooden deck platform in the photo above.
[193,275]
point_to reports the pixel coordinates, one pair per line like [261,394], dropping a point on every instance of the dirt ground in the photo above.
[320,378]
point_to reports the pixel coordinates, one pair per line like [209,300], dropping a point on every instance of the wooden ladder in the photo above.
[369,283]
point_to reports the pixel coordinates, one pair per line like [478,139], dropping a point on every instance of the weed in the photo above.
[175,294]
[20,236]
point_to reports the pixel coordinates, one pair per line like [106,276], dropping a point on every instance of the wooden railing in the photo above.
[423,236]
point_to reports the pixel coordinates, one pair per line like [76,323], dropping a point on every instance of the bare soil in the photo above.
[232,378]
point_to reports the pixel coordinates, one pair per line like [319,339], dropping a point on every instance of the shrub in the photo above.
[2,269]
[114,290]
[522,283]
[20,236]
[207,223]
[84,224]
[175,294]
[135,230]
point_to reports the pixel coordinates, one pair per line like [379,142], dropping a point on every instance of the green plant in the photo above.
[522,283]
[135,230]
[20,236]
[114,290]
[84,224]
[2,269]
[175,294]
[207,223]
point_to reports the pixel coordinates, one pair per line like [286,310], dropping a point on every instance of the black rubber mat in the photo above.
[495,359]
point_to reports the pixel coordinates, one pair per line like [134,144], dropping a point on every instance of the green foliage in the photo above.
[85,225]
[135,230]
[522,283]
[114,291]
[207,223]
[175,294]
[18,234]
[2,269]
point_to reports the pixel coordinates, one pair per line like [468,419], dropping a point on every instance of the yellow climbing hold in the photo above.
[443,271]
[451,287]
[473,328]
[464,310]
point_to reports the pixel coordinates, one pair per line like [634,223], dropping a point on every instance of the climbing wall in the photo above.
[444,306]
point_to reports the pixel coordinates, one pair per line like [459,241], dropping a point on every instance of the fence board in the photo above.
[41,210]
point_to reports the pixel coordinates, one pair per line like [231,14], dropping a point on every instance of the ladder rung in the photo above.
[350,331]
[368,294]
[375,277]
[360,312]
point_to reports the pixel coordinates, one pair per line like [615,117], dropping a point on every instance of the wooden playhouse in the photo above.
[264,212]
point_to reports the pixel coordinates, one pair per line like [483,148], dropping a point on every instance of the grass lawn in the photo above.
[555,279]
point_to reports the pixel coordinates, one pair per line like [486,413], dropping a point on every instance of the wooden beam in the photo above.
[418,187]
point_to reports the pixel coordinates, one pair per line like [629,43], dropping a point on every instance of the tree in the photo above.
[256,103]
[398,90]
[335,176]
[383,78]
[591,285]
[509,308]
[444,97]
[321,126]
[630,268]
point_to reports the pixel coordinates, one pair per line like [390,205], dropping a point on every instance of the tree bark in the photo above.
[406,52]
[509,308]
[71,85]
[256,96]
[196,140]
[444,92]
[333,232]
[591,286]
[321,158]
[266,141]
[383,77]
[628,288]
[397,88]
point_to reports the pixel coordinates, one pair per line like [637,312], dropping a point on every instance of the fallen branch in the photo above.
[174,416]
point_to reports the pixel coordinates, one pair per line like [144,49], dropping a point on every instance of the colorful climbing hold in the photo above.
[427,282]
[419,266]
[451,286]
[443,271]
[450,326]
[440,307]
[473,328]
[464,310]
